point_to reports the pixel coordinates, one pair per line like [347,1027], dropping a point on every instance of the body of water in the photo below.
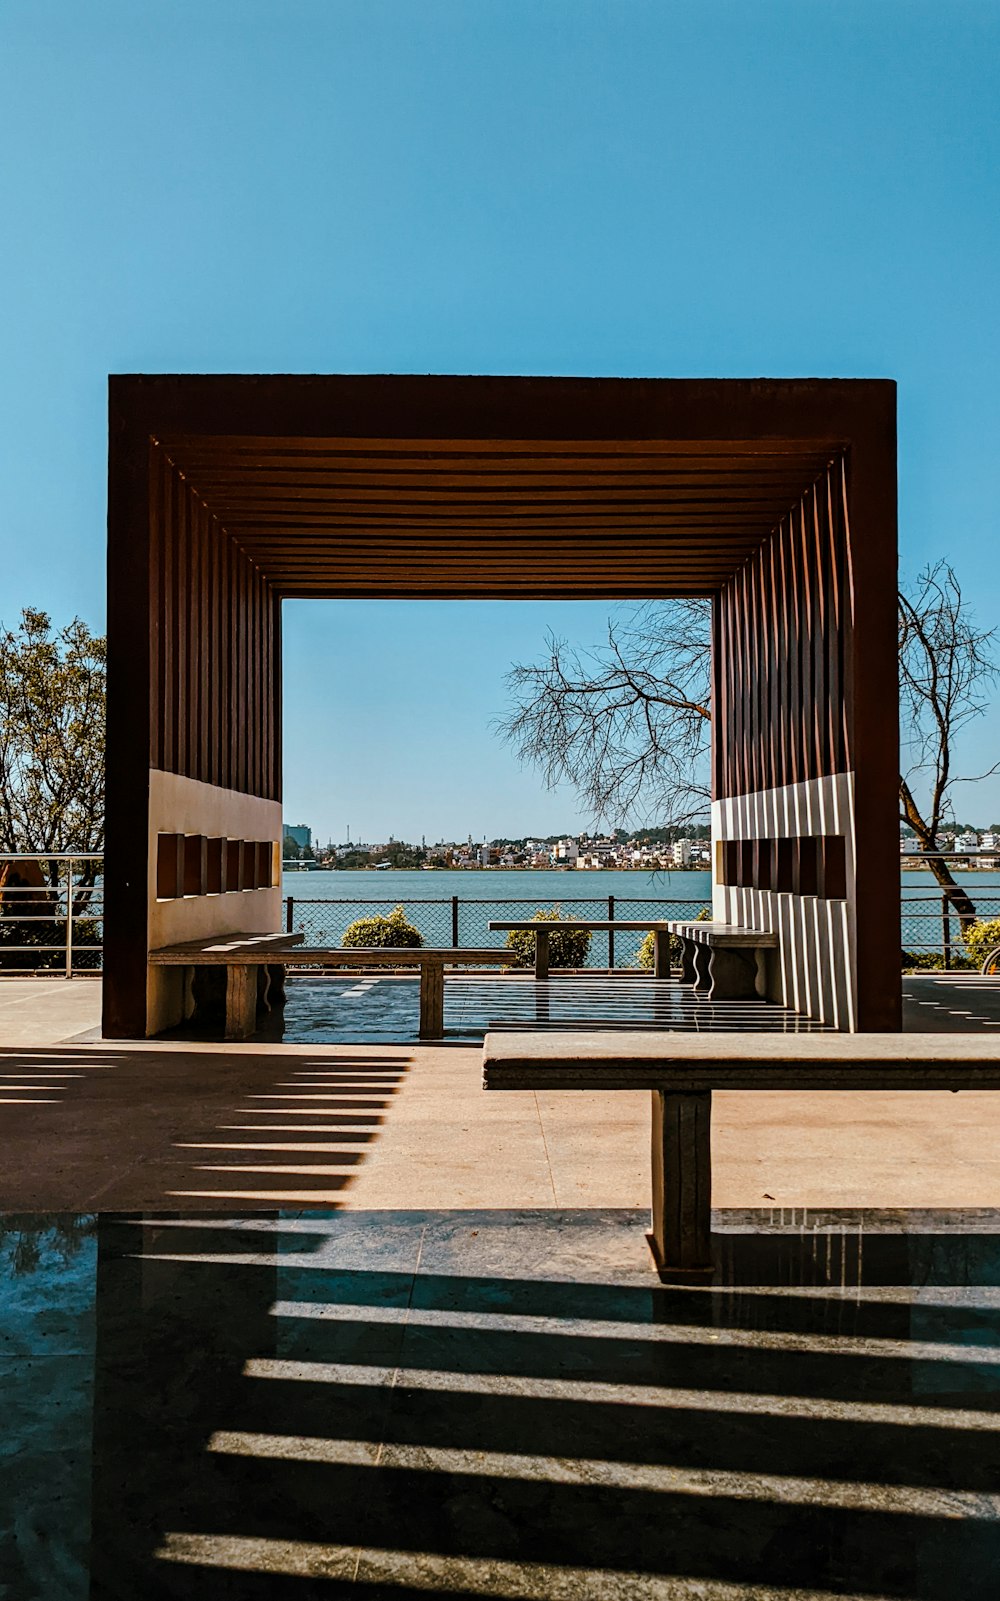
[323,904]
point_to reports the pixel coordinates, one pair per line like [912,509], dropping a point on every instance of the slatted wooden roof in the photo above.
[498,518]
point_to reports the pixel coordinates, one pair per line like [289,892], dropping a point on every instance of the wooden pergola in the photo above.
[776,498]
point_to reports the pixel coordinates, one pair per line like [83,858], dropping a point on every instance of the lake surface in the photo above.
[326,903]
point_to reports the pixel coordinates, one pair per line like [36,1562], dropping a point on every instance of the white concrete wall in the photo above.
[180,805]
[816,970]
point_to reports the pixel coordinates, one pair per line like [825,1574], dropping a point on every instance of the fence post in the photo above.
[611,933]
[454,922]
[290,914]
[946,930]
[69,918]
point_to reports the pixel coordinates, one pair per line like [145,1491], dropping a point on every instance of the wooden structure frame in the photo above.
[777,498]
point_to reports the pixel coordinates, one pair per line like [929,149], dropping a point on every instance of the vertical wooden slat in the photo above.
[171,665]
[205,687]
[275,691]
[181,625]
[820,541]
[240,778]
[807,632]
[739,657]
[752,678]
[232,663]
[846,618]
[834,645]
[156,547]
[258,686]
[229,665]
[215,635]
[774,655]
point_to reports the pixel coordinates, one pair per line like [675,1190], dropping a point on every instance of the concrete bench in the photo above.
[242,954]
[724,961]
[682,1070]
[543,930]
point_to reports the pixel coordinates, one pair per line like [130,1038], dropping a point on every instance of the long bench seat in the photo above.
[682,1070]
[544,928]
[241,954]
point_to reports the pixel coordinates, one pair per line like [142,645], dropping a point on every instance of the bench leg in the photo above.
[276,995]
[431,1000]
[241,1001]
[542,954]
[688,971]
[680,1235]
[700,969]
[732,975]
[661,953]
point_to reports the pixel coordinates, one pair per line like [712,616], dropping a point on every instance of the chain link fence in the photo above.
[932,931]
[454,921]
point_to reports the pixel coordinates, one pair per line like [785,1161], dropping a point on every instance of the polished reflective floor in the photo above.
[499,1404]
[374,1009]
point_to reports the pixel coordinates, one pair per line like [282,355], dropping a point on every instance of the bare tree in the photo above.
[52,727]
[946,666]
[628,724]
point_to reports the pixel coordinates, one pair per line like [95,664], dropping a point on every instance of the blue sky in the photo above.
[769,187]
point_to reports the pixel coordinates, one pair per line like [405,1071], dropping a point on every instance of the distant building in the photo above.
[301,834]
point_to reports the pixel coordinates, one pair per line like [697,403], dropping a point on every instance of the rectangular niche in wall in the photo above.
[194,864]
[812,864]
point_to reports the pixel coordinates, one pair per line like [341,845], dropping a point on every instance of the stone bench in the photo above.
[724,961]
[241,955]
[682,1070]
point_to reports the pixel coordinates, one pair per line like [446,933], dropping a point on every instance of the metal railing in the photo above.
[68,906]
[455,921]
[931,925]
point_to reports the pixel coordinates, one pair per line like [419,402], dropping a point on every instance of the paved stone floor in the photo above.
[318,1318]
[298,1405]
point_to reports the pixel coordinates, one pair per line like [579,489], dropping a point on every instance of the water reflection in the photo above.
[500,1404]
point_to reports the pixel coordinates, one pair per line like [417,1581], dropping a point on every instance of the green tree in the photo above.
[52,730]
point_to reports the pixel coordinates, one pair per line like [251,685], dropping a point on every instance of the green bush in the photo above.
[981,938]
[933,961]
[646,954]
[391,930]
[568,949]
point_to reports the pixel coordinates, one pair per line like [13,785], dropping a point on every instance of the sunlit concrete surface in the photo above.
[43,1011]
[484,1404]
[163,1124]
